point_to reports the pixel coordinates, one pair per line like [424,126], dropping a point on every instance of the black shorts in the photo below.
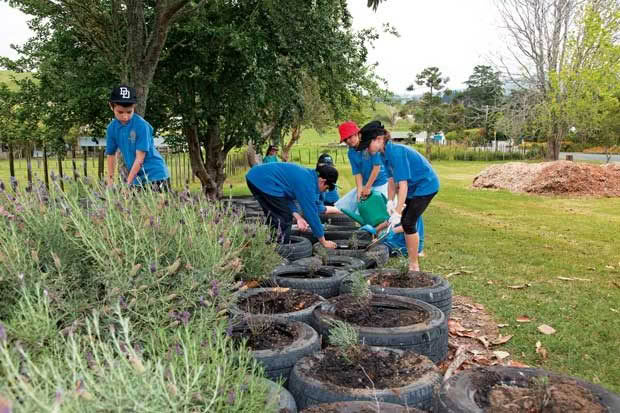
[414,207]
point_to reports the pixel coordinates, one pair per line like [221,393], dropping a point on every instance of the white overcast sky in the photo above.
[454,35]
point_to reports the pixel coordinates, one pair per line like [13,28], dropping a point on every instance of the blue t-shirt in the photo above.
[406,164]
[362,164]
[136,135]
[293,182]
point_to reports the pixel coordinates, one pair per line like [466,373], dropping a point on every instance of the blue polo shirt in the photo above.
[406,164]
[136,135]
[293,182]
[362,164]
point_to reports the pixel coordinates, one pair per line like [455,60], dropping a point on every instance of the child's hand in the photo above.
[365,192]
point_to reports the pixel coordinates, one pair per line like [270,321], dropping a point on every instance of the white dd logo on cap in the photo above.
[125,94]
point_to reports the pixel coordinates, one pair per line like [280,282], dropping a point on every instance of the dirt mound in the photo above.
[553,178]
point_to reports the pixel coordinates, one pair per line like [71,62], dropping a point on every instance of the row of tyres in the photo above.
[331,276]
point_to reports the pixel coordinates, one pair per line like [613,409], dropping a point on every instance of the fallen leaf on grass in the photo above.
[609,267]
[501,340]
[545,329]
[483,340]
[502,325]
[523,319]
[541,350]
[519,287]
[501,354]
[513,363]
[573,279]
[453,273]
[592,268]
[614,310]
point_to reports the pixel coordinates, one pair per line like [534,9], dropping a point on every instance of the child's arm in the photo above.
[137,164]
[111,168]
[371,180]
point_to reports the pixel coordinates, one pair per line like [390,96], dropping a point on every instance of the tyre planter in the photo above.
[278,362]
[334,232]
[327,284]
[340,262]
[304,315]
[376,256]
[439,294]
[429,338]
[279,399]
[308,391]
[359,406]
[338,219]
[296,248]
[467,391]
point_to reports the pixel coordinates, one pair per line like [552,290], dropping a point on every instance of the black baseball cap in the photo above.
[369,132]
[326,159]
[330,174]
[123,94]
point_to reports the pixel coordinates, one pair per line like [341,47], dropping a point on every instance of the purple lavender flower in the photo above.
[151,221]
[229,329]
[202,302]
[53,176]
[2,186]
[122,302]
[184,317]
[178,349]
[153,267]
[215,289]
[13,183]
[58,396]
[231,397]
[2,333]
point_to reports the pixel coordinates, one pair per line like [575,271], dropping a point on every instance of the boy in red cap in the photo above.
[368,170]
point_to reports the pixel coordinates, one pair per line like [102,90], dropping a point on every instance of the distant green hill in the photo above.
[6,76]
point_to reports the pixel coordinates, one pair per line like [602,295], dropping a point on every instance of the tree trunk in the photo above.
[295,135]
[211,172]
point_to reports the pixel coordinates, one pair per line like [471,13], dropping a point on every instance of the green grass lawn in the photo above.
[507,239]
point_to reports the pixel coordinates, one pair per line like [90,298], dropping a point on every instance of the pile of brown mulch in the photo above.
[553,178]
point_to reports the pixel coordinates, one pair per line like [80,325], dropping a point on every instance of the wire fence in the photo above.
[91,162]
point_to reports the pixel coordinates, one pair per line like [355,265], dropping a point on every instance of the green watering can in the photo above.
[372,210]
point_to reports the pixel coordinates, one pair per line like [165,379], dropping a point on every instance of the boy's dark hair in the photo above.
[369,132]
[123,95]
[330,174]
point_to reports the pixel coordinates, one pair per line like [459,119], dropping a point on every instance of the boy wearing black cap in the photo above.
[277,185]
[133,136]
[414,177]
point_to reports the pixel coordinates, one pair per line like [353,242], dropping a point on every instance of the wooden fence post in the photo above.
[85,161]
[73,164]
[11,161]
[62,182]
[45,171]
[100,170]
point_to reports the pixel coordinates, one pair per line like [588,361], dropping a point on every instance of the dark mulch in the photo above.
[277,302]
[265,334]
[376,313]
[399,279]
[361,368]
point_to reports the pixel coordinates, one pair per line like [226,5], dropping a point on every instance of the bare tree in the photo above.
[538,32]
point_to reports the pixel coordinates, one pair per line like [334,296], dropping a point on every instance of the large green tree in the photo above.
[430,116]
[483,98]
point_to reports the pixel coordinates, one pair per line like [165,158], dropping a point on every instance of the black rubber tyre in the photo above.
[305,315]
[457,394]
[278,363]
[340,262]
[358,406]
[439,294]
[279,399]
[309,391]
[429,338]
[326,286]
[377,256]
[333,232]
[338,219]
[297,248]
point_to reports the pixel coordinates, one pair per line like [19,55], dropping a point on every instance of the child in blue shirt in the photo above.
[277,185]
[414,180]
[327,198]
[368,169]
[272,155]
[130,133]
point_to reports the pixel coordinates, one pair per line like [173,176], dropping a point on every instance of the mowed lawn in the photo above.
[502,239]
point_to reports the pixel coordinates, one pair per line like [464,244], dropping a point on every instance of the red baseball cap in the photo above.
[347,130]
